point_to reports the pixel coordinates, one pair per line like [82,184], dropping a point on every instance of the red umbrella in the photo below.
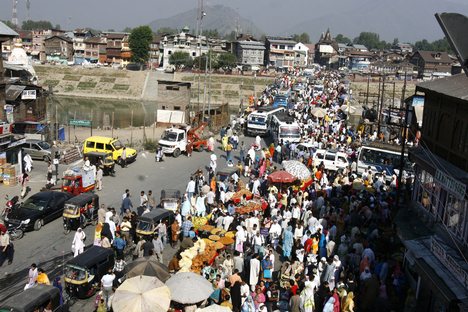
[281,177]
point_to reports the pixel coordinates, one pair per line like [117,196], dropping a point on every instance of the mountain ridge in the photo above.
[222,18]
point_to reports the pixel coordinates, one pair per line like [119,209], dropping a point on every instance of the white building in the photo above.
[182,42]
[302,55]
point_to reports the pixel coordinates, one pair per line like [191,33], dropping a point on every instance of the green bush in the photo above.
[121,87]
[107,79]
[86,85]
[71,78]
[150,145]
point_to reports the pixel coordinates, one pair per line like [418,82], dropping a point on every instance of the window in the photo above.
[177,108]
[194,53]
[282,46]
[169,52]
[90,144]
[109,147]
[99,145]
[330,157]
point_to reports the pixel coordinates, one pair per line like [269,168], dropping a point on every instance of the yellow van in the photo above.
[108,145]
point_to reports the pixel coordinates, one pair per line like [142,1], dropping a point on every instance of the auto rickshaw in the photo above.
[34,299]
[79,211]
[147,223]
[103,161]
[226,173]
[170,199]
[84,272]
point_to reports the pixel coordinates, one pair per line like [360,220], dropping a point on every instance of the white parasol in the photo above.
[297,169]
[319,112]
[142,294]
[348,109]
[189,288]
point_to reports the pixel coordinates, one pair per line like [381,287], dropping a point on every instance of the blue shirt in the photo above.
[119,243]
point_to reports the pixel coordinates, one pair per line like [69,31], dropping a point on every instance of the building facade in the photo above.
[301,58]
[92,49]
[59,49]
[38,42]
[250,52]
[437,241]
[181,42]
[431,63]
[79,45]
[326,51]
[279,52]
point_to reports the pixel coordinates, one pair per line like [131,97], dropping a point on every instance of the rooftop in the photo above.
[455,86]
[430,56]
[6,31]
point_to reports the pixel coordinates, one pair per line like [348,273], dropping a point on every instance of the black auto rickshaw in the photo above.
[147,223]
[226,173]
[80,211]
[84,272]
[170,199]
[103,161]
[37,298]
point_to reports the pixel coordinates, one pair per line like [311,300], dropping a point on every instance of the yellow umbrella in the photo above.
[142,294]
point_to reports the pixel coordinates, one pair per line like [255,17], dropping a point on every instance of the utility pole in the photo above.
[403,147]
[367,93]
[381,105]
[209,93]
[403,93]
[200,16]
[14,18]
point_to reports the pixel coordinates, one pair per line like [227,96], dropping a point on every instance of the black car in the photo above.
[39,209]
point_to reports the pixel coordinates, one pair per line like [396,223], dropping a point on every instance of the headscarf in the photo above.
[329,306]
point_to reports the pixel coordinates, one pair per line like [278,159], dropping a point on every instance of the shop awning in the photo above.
[13,91]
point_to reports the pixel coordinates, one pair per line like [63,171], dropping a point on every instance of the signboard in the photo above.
[450,184]
[449,262]
[28,95]
[80,123]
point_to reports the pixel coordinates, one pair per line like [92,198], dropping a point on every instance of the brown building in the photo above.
[117,49]
[429,63]
[38,42]
[93,48]
[59,49]
[434,229]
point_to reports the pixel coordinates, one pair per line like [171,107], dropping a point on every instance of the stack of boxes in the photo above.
[9,174]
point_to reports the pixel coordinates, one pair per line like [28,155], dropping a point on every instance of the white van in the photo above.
[331,159]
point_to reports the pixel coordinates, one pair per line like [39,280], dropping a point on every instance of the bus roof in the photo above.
[284,117]
[384,146]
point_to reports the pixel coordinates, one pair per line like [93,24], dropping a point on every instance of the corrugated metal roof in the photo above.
[455,86]
[13,91]
[7,31]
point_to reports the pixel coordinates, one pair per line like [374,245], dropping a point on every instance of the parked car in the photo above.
[331,159]
[39,209]
[37,149]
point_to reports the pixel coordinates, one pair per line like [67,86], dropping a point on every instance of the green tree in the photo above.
[342,39]
[199,62]
[181,59]
[139,42]
[423,45]
[127,29]
[304,37]
[226,61]
[57,26]
[441,45]
[370,40]
[36,25]
[211,33]
[231,36]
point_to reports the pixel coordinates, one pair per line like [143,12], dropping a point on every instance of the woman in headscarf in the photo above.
[249,305]
[78,242]
[186,207]
[348,305]
[288,240]
[329,306]
[200,206]
[307,297]
[267,267]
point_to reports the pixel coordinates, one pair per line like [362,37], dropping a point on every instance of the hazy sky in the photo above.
[272,16]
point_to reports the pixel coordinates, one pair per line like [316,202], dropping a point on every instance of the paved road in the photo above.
[50,248]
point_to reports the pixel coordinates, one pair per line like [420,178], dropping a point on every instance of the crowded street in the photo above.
[266,221]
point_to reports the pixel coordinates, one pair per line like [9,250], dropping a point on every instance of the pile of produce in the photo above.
[250,207]
[198,222]
[194,258]
[236,198]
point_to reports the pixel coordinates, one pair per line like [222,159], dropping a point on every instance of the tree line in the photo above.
[372,41]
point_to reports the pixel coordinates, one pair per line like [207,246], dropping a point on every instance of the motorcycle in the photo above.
[10,205]
[17,231]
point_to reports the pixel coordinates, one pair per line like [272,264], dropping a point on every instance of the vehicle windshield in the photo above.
[169,136]
[257,119]
[71,209]
[290,132]
[67,182]
[34,204]
[43,145]
[145,226]
[117,144]
[75,273]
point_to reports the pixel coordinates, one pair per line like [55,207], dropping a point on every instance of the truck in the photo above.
[175,139]
[258,120]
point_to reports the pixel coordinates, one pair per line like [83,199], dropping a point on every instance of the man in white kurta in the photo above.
[254,272]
